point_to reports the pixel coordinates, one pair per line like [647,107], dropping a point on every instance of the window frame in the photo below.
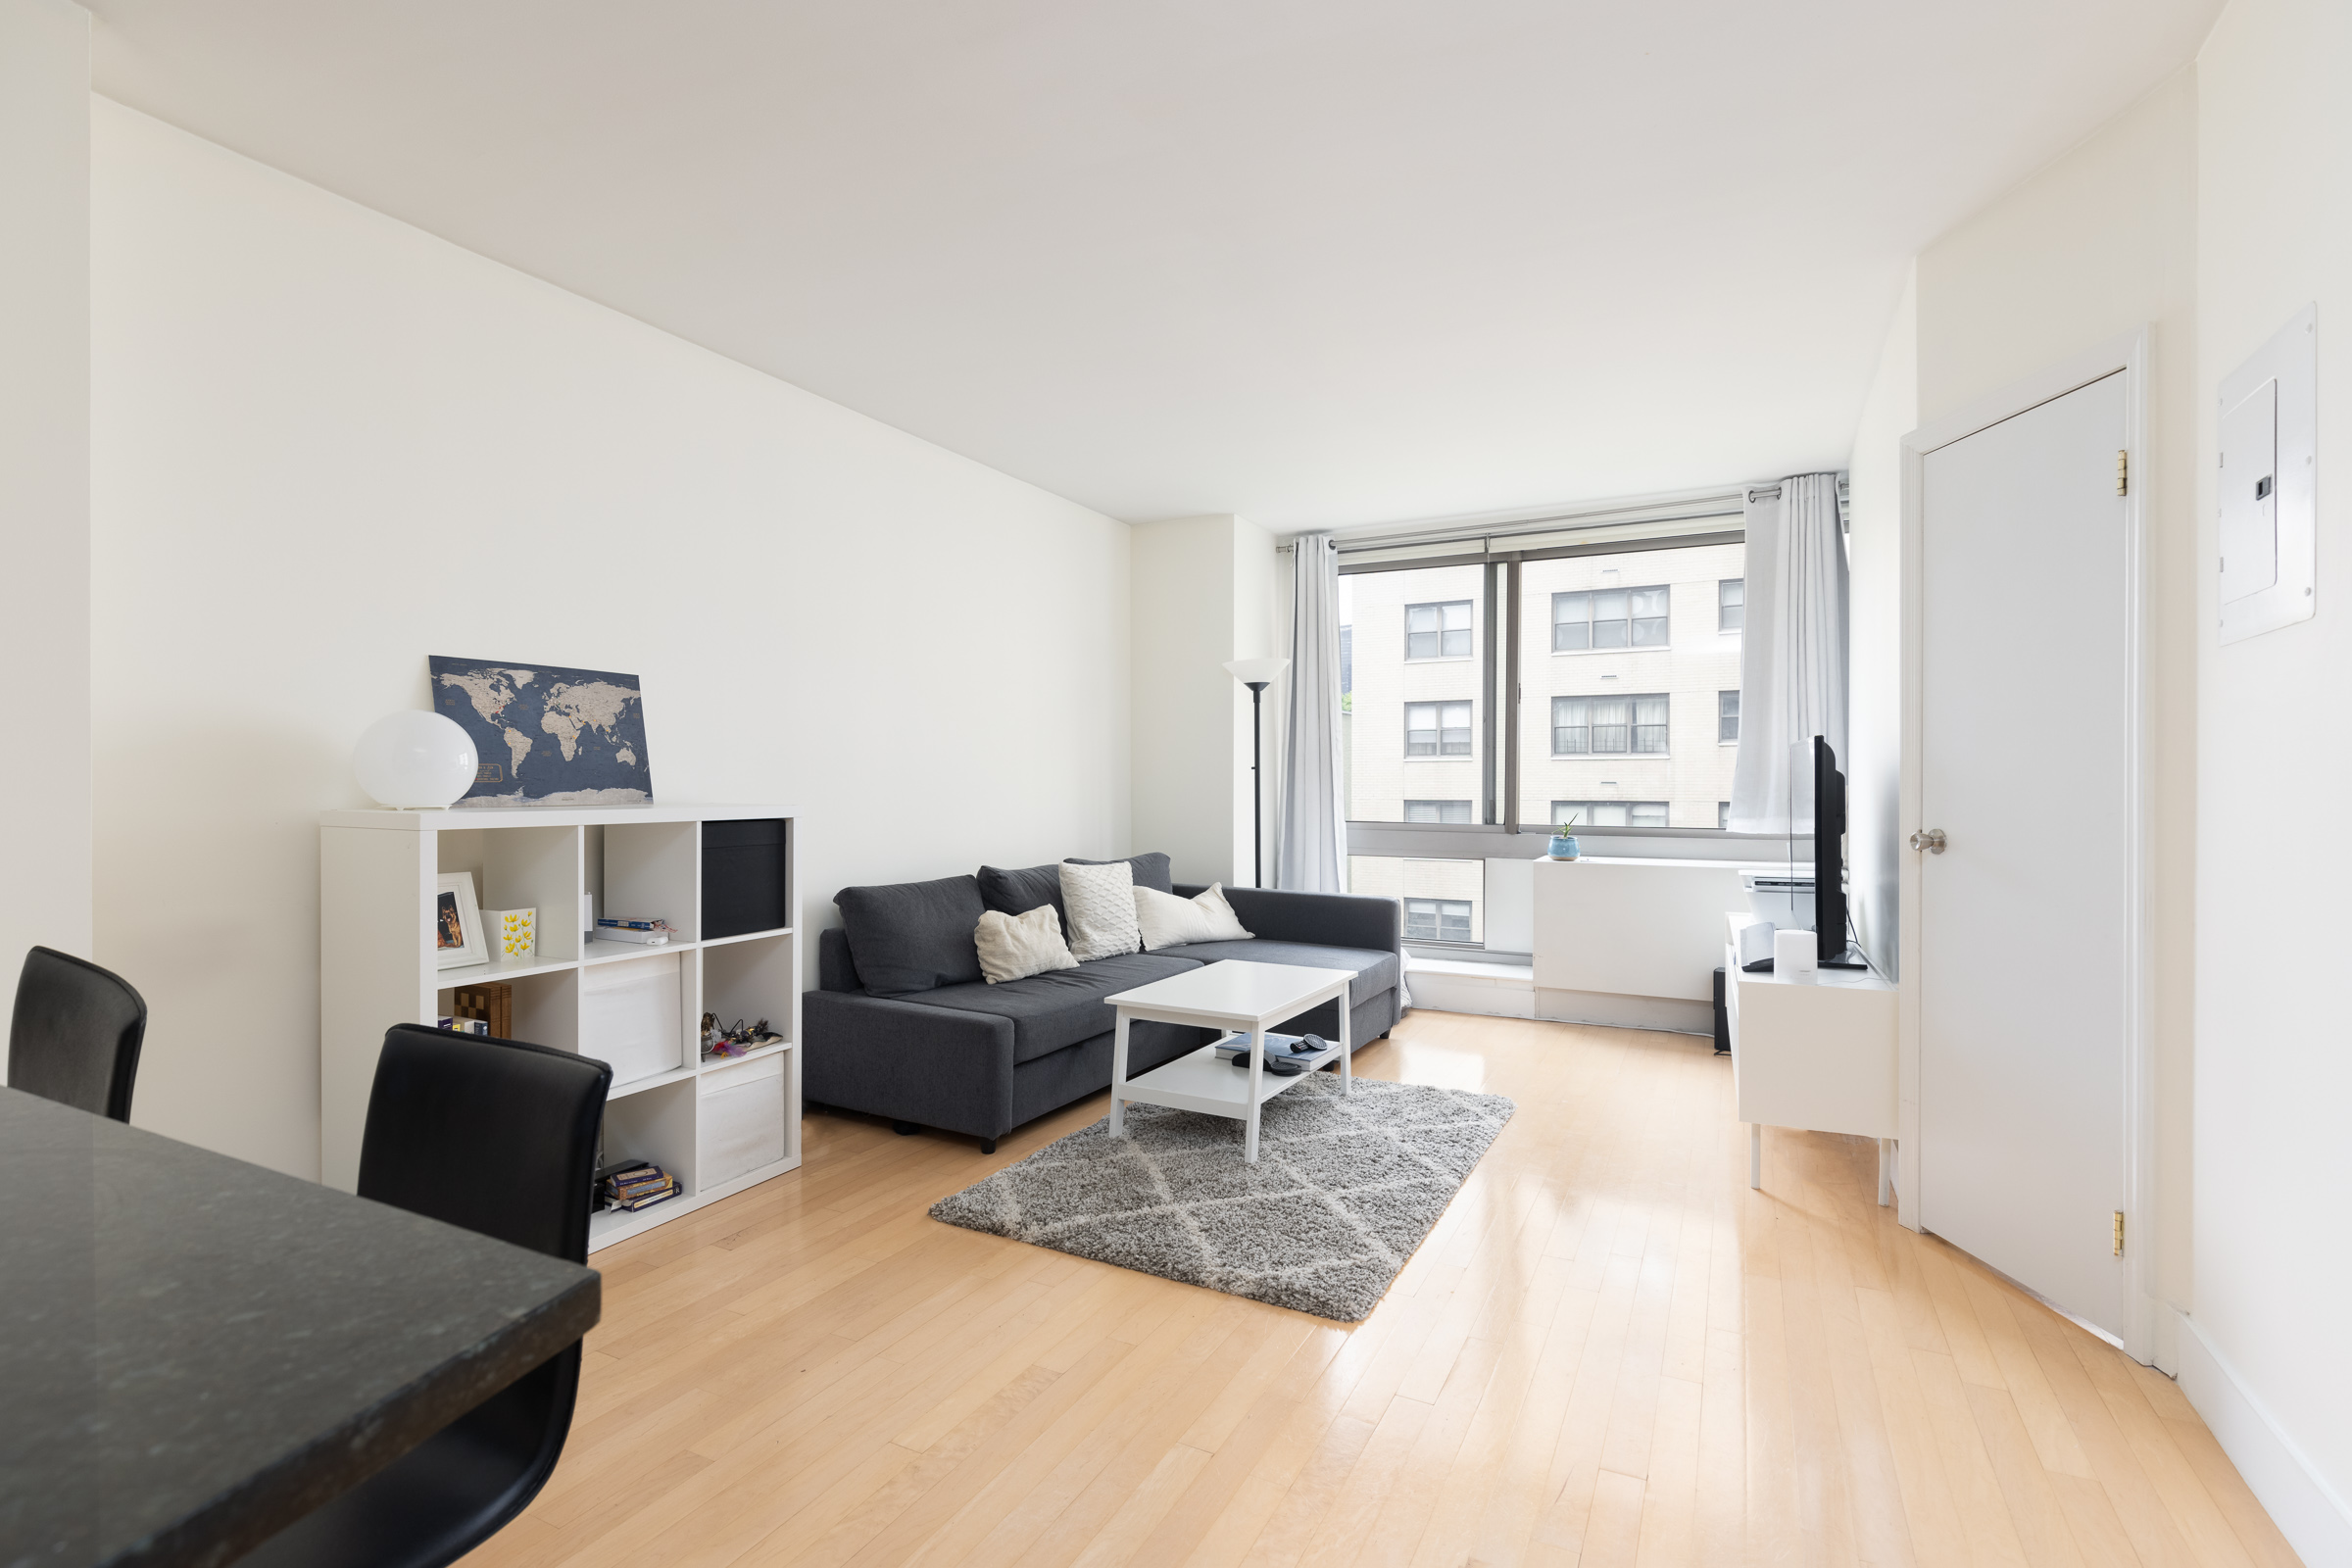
[1468,630]
[1732,718]
[1441,730]
[1500,717]
[1438,913]
[1722,608]
[1468,808]
[1632,725]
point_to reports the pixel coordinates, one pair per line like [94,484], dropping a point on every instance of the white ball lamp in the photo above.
[416,760]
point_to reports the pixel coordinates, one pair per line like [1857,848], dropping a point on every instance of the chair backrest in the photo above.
[496,1136]
[75,1034]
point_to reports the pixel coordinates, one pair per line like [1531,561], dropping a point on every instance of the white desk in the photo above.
[1818,1054]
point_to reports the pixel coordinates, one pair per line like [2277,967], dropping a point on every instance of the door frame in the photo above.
[2127,353]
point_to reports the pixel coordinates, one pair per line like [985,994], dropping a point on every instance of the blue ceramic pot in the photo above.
[1563,846]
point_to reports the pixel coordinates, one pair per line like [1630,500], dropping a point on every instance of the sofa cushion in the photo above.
[1062,1007]
[1375,967]
[1019,892]
[912,936]
[1150,870]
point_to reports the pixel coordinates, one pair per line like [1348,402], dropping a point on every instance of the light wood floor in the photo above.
[1609,1352]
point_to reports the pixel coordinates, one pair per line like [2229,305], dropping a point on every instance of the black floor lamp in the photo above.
[1257,674]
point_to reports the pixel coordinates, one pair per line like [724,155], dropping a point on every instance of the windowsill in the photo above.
[1643,648]
[1611,756]
[1446,658]
[1459,757]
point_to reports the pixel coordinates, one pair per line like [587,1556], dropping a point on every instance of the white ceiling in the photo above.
[1318,264]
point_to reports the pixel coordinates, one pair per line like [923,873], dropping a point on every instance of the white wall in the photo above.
[1875,639]
[1203,594]
[327,444]
[2273,1073]
[45,478]
[2100,241]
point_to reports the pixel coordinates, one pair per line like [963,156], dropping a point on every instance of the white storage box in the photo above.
[630,1016]
[742,1119]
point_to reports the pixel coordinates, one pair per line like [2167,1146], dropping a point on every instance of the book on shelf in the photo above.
[633,922]
[653,935]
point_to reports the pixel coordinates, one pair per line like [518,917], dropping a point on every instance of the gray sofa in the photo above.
[903,1026]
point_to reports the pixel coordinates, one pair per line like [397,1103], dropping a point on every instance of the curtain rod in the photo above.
[1694,507]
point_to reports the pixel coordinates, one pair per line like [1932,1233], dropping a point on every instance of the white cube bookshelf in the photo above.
[719,1126]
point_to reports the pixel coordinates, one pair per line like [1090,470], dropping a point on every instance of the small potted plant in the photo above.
[1563,842]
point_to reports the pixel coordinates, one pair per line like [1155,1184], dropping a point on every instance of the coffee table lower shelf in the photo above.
[1207,1082]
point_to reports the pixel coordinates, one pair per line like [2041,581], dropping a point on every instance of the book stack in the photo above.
[647,932]
[638,1186]
[492,1002]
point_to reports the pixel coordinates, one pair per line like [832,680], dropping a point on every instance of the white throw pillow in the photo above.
[1168,921]
[1016,946]
[1099,901]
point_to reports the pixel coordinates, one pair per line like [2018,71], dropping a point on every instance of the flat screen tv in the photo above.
[1829,858]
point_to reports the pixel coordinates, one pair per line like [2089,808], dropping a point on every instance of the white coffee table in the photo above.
[1239,996]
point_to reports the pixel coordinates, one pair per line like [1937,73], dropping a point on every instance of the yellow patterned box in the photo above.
[513,933]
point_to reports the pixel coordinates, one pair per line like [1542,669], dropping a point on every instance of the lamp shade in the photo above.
[415,760]
[1256,671]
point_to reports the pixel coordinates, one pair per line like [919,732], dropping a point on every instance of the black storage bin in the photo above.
[745,876]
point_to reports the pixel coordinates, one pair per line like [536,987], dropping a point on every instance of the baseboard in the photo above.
[1490,989]
[2306,1508]
[1668,1013]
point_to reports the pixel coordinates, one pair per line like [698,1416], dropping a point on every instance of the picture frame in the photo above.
[457,928]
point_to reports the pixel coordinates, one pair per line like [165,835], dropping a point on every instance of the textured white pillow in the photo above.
[1014,946]
[1099,901]
[1168,921]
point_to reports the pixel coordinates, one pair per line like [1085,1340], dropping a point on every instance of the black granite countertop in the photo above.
[195,1351]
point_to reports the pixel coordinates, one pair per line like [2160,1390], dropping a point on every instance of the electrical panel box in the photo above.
[2267,484]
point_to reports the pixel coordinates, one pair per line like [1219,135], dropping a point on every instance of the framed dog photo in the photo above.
[458,923]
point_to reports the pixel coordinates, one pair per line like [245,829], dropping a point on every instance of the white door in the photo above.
[2025,767]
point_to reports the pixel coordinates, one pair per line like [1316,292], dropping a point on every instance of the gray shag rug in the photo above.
[1344,1189]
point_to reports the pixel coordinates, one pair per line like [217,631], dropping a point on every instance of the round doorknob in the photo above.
[1929,840]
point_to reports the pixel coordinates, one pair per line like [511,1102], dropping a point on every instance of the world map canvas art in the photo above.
[546,735]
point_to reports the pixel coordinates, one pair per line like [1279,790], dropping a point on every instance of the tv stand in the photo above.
[1816,1052]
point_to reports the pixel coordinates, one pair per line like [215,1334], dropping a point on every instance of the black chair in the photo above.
[75,1035]
[499,1136]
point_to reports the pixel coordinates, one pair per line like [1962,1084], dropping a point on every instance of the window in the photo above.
[1731,603]
[1437,729]
[1727,715]
[1608,726]
[1437,810]
[1723,816]
[1609,814]
[1438,631]
[1609,617]
[1437,920]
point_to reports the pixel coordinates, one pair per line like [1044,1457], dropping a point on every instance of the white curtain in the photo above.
[1791,653]
[1310,856]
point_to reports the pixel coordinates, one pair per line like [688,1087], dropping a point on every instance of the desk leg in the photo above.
[1346,1043]
[1755,1154]
[1257,1073]
[1886,1171]
[1118,1076]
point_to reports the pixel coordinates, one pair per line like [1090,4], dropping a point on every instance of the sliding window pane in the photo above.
[1412,702]
[1444,900]
[1618,720]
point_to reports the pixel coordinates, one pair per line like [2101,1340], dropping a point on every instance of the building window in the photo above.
[1608,726]
[1608,813]
[1727,715]
[1608,617]
[1436,919]
[1438,631]
[1723,816]
[1437,810]
[1731,603]
[1438,729]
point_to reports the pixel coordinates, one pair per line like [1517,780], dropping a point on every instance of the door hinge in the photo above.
[2119,1232]
[2122,470]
